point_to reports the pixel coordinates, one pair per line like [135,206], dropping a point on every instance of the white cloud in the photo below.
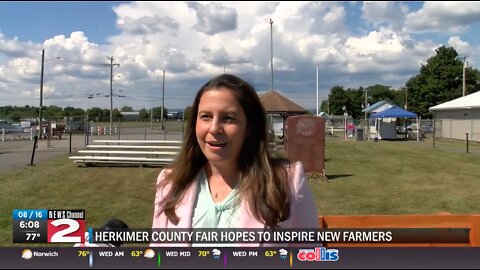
[214,18]
[389,13]
[446,17]
[16,48]
[460,46]
[194,41]
[147,25]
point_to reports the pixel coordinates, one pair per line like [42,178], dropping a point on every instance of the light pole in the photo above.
[464,84]
[367,125]
[163,102]
[41,98]
[271,50]
[41,92]
[317,90]
[366,103]
[111,90]
[345,114]
[406,97]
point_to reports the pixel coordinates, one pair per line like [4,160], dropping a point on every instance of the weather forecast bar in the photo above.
[223,258]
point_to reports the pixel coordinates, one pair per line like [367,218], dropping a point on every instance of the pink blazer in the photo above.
[303,212]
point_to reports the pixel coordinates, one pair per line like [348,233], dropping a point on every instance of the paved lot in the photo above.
[18,154]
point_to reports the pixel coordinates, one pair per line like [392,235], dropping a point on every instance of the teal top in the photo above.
[208,214]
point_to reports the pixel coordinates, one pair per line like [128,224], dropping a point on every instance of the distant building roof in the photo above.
[467,102]
[324,115]
[394,112]
[130,113]
[273,102]
[374,107]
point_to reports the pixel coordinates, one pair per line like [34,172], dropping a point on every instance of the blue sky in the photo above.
[353,43]
[95,19]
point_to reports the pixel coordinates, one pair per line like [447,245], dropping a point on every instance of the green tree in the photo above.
[355,102]
[52,111]
[341,101]
[472,80]
[157,112]
[143,114]
[16,116]
[126,109]
[71,111]
[338,99]
[439,81]
[324,106]
[116,113]
[399,96]
[95,113]
[379,92]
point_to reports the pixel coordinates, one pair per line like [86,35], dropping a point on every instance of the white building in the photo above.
[382,128]
[455,118]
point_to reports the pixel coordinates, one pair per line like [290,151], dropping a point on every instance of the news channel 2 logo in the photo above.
[48,226]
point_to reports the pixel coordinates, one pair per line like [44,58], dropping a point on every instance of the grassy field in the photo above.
[397,178]
[364,178]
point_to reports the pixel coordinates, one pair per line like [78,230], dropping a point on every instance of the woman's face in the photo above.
[221,126]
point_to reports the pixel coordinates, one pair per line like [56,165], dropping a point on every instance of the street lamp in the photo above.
[345,114]
[366,103]
[271,50]
[41,90]
[111,65]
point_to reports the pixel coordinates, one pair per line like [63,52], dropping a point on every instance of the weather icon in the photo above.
[27,254]
[149,253]
[283,253]
[216,253]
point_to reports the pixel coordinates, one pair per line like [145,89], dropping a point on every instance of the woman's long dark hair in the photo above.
[264,181]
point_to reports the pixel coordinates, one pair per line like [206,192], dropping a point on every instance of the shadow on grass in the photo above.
[338,176]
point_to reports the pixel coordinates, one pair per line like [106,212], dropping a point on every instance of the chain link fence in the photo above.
[461,134]
[74,133]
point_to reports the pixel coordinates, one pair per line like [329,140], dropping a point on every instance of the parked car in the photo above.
[400,129]
[412,131]
[74,127]
[9,127]
[426,127]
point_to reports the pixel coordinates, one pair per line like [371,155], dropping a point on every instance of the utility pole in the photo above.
[163,101]
[366,105]
[317,90]
[406,97]
[151,117]
[111,90]
[41,97]
[464,71]
[271,49]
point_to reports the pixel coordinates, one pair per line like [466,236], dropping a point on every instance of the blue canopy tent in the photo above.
[396,112]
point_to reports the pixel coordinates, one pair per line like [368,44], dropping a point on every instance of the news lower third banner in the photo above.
[237,258]
[281,236]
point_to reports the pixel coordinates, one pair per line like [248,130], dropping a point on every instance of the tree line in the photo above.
[438,81]
[17,113]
